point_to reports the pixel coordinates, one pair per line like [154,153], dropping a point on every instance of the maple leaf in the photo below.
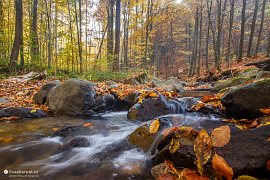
[174,145]
[154,126]
[202,147]
[221,136]
[221,167]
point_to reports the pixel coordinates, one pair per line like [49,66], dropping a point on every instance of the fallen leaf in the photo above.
[245,177]
[174,170]
[174,146]
[152,94]
[199,167]
[183,131]
[202,147]
[88,124]
[209,98]
[33,111]
[265,111]
[11,118]
[154,126]
[6,139]
[221,167]
[192,175]
[221,136]
[166,177]
[268,165]
[55,129]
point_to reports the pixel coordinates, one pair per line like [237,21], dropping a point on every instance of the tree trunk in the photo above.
[243,22]
[79,32]
[34,35]
[200,42]
[268,46]
[71,36]
[17,44]
[2,47]
[252,28]
[232,3]
[117,35]
[110,30]
[48,13]
[207,38]
[261,28]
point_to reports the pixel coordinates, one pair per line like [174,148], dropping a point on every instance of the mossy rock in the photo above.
[249,73]
[231,82]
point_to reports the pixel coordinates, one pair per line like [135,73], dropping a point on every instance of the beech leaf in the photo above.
[154,126]
[221,167]
[202,147]
[221,136]
[174,146]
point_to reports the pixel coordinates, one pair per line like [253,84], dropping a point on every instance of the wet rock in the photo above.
[246,101]
[73,97]
[230,83]
[70,131]
[41,95]
[22,112]
[152,107]
[249,73]
[263,74]
[105,103]
[139,79]
[76,142]
[247,151]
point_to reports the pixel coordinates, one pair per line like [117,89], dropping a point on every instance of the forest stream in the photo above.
[108,155]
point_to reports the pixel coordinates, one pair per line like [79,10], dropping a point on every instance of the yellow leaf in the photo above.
[33,111]
[6,139]
[55,129]
[221,167]
[174,146]
[152,94]
[245,177]
[203,147]
[154,126]
[221,136]
[182,131]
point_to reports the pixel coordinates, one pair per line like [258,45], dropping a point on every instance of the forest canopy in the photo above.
[163,37]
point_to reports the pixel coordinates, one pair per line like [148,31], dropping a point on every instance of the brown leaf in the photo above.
[154,126]
[88,124]
[166,177]
[198,106]
[174,170]
[202,147]
[192,175]
[209,98]
[221,136]
[265,111]
[183,131]
[221,167]
[6,139]
[268,165]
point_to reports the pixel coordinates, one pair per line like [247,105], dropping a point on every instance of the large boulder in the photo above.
[41,95]
[246,101]
[230,83]
[73,97]
[22,112]
[249,73]
[263,74]
[152,107]
[247,151]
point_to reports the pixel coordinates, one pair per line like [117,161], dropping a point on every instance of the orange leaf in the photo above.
[265,111]
[268,165]
[221,136]
[6,139]
[88,124]
[209,98]
[55,129]
[221,167]
[166,177]
[192,175]
[198,106]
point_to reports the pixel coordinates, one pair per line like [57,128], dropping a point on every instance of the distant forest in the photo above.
[162,37]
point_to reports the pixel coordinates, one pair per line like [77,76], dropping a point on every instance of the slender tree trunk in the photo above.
[200,42]
[49,50]
[252,28]
[79,32]
[207,38]
[17,44]
[34,36]
[195,44]
[243,22]
[117,35]
[261,28]
[232,3]
[268,46]
[71,36]
[110,30]
[2,47]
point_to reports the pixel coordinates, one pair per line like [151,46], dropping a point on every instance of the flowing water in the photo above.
[30,146]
